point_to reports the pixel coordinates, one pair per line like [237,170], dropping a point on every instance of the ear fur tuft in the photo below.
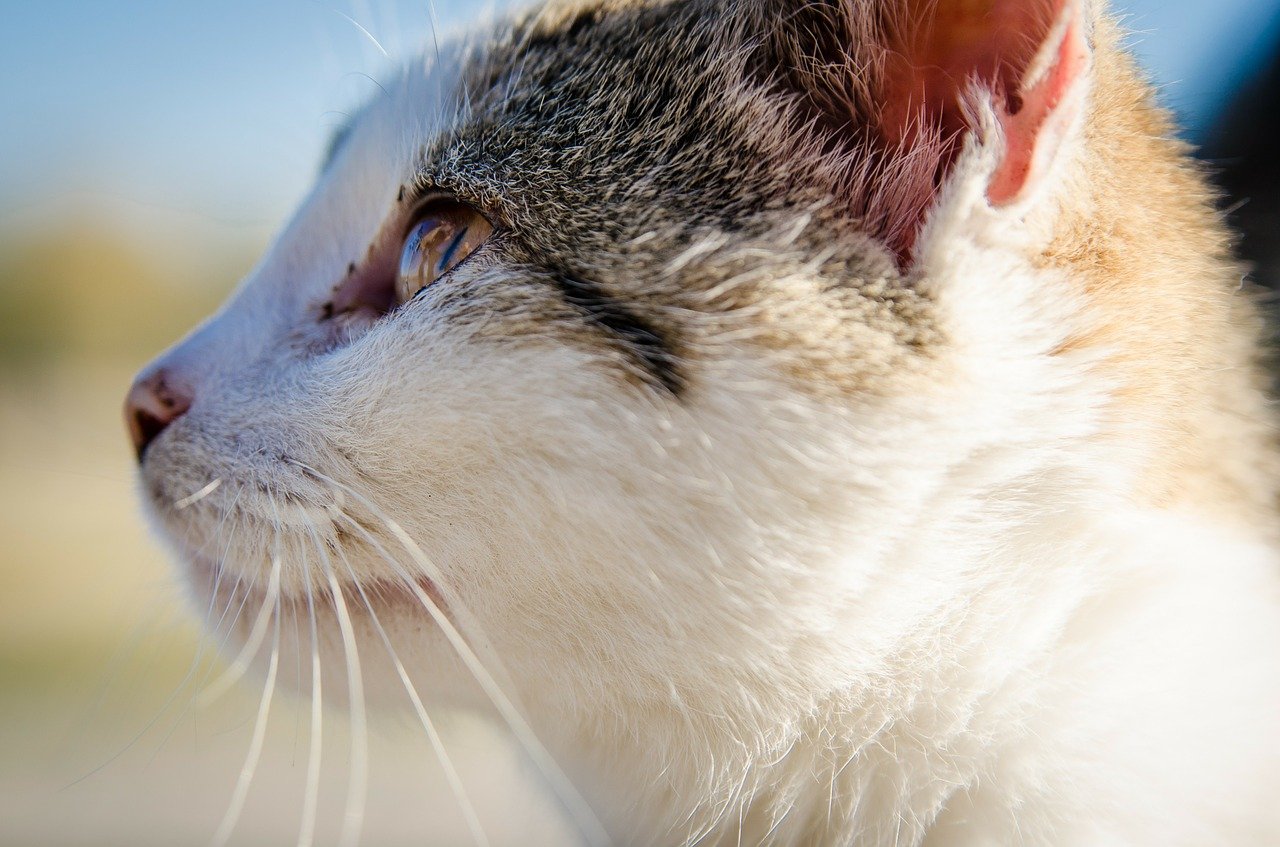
[896,78]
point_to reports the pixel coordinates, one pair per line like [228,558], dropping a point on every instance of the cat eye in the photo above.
[443,235]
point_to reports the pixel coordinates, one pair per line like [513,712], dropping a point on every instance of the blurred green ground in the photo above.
[94,635]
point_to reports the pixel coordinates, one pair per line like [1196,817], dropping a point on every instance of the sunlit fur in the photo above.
[971,546]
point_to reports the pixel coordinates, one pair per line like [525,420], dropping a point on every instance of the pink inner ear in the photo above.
[940,46]
[1028,53]
[1034,132]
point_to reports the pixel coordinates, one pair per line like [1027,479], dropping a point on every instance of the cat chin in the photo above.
[390,634]
[212,583]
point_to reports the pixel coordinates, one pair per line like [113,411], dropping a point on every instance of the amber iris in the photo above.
[444,234]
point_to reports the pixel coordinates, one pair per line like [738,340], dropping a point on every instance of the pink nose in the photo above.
[154,402]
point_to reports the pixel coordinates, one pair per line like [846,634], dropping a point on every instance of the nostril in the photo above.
[145,429]
[154,402]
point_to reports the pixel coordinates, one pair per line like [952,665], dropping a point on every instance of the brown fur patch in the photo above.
[1181,336]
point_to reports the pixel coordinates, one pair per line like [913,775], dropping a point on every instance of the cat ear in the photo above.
[891,90]
[1032,56]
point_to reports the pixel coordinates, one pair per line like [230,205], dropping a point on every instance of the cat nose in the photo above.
[155,401]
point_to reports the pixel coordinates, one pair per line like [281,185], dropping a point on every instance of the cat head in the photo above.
[684,356]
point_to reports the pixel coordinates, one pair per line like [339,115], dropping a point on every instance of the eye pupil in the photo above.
[444,234]
[446,257]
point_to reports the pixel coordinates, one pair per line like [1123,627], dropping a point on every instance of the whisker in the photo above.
[465,620]
[364,32]
[312,796]
[190,677]
[437,743]
[213,627]
[357,787]
[238,588]
[197,661]
[143,632]
[147,727]
[580,812]
[252,644]
[232,816]
[218,574]
[372,79]
[192,499]
[435,28]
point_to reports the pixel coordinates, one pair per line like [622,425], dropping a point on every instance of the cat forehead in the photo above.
[618,116]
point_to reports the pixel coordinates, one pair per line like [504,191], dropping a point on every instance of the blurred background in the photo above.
[148,151]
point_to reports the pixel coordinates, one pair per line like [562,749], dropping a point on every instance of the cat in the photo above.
[802,421]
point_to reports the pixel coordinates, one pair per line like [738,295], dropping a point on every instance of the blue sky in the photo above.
[221,109]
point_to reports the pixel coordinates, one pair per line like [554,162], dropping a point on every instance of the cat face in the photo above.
[673,436]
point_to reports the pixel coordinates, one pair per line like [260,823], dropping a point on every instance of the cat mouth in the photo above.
[223,592]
